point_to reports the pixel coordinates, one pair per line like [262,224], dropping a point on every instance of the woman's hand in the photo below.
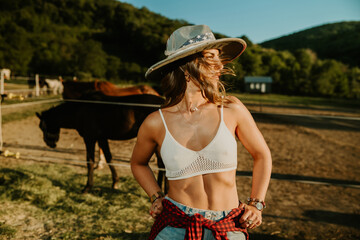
[251,218]
[156,208]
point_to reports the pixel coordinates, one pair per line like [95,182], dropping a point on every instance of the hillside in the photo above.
[115,41]
[89,38]
[339,41]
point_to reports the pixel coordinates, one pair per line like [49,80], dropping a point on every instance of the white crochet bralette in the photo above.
[219,155]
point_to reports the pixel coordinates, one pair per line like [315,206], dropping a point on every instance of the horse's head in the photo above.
[50,130]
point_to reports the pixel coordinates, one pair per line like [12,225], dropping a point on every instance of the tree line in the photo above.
[111,40]
[339,41]
[299,72]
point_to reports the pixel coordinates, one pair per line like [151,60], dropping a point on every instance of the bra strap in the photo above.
[222,113]
[162,117]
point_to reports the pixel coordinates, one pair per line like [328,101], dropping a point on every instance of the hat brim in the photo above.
[231,48]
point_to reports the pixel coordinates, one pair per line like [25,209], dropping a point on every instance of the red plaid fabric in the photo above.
[174,217]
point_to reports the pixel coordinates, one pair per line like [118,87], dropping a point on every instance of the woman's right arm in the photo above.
[145,146]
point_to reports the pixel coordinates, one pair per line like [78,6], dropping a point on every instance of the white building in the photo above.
[258,84]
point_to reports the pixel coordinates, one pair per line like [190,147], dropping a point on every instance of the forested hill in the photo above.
[111,40]
[340,41]
[98,38]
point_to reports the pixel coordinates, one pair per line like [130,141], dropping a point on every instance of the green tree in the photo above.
[329,79]
[354,82]
[251,62]
[113,68]
[287,83]
[90,58]
[16,48]
[305,59]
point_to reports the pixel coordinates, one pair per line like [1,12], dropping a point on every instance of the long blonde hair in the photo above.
[174,82]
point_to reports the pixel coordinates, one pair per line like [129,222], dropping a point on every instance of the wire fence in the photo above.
[27,104]
[127,165]
[20,86]
[67,161]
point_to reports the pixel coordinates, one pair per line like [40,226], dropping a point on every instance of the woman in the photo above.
[195,134]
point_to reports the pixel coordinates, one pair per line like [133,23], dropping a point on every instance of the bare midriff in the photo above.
[213,191]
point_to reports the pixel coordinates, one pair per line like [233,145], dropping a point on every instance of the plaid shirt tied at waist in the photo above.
[174,217]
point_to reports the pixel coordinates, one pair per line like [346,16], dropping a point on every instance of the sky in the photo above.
[259,20]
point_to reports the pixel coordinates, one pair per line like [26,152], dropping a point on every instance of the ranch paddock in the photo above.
[313,194]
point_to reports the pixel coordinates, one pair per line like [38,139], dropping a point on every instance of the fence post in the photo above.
[2,83]
[37,87]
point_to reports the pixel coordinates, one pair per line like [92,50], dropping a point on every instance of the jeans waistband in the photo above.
[208,214]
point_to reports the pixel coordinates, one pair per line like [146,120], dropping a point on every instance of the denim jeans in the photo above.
[171,233]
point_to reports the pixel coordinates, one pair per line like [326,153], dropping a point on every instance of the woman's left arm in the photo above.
[252,139]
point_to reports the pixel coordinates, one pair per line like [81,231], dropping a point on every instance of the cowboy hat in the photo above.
[189,40]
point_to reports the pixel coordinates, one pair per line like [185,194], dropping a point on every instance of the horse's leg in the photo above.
[100,164]
[161,173]
[102,158]
[104,145]
[90,154]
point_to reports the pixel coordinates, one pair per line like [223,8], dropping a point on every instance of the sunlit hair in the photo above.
[199,70]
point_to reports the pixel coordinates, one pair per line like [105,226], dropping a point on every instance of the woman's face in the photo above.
[212,58]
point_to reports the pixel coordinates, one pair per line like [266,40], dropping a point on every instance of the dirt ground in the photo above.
[315,188]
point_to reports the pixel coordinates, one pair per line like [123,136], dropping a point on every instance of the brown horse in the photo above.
[98,122]
[87,90]
[76,90]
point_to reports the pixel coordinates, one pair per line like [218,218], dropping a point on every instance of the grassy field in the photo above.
[48,196]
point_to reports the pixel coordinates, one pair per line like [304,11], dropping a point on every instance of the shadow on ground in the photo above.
[45,148]
[351,108]
[345,219]
[300,178]
[315,122]
[258,236]
[124,236]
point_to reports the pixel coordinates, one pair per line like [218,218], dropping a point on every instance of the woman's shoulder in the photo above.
[234,104]
[155,121]
[237,110]
[152,121]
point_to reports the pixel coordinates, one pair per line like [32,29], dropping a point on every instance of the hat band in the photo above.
[199,38]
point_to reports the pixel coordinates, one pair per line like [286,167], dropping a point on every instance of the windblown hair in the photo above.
[199,69]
